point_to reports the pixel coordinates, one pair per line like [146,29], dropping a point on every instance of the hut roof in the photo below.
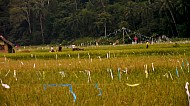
[6,41]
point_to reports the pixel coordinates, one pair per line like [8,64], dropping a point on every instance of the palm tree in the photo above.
[183,8]
[41,11]
[20,9]
[166,5]
[27,10]
[104,18]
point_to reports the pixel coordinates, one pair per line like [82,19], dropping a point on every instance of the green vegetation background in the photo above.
[34,22]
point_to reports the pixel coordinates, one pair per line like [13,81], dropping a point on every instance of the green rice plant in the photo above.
[28,75]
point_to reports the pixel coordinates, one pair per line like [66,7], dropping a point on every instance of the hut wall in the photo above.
[4,47]
[2,51]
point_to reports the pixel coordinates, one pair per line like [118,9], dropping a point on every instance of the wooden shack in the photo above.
[6,46]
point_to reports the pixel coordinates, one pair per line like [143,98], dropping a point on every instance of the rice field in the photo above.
[125,75]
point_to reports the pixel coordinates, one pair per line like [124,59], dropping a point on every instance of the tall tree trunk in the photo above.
[28,20]
[173,19]
[76,5]
[48,2]
[123,35]
[102,3]
[105,29]
[28,17]
[42,31]
[170,25]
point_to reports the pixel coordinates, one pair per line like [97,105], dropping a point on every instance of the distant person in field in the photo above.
[147,44]
[17,47]
[135,39]
[60,48]
[73,46]
[51,49]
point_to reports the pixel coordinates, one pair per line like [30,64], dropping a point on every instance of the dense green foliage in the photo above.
[62,21]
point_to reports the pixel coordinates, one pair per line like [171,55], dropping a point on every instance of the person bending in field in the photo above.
[60,48]
[51,49]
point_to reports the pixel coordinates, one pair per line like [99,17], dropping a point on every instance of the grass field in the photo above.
[123,75]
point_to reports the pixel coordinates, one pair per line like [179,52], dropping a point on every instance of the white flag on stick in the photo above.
[187,91]
[146,71]
[4,85]
[15,75]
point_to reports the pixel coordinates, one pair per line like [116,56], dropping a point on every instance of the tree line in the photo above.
[29,22]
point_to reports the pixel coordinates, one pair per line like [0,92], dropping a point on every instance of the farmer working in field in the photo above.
[60,48]
[147,43]
[51,49]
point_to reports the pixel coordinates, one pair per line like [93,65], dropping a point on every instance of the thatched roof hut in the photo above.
[6,46]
